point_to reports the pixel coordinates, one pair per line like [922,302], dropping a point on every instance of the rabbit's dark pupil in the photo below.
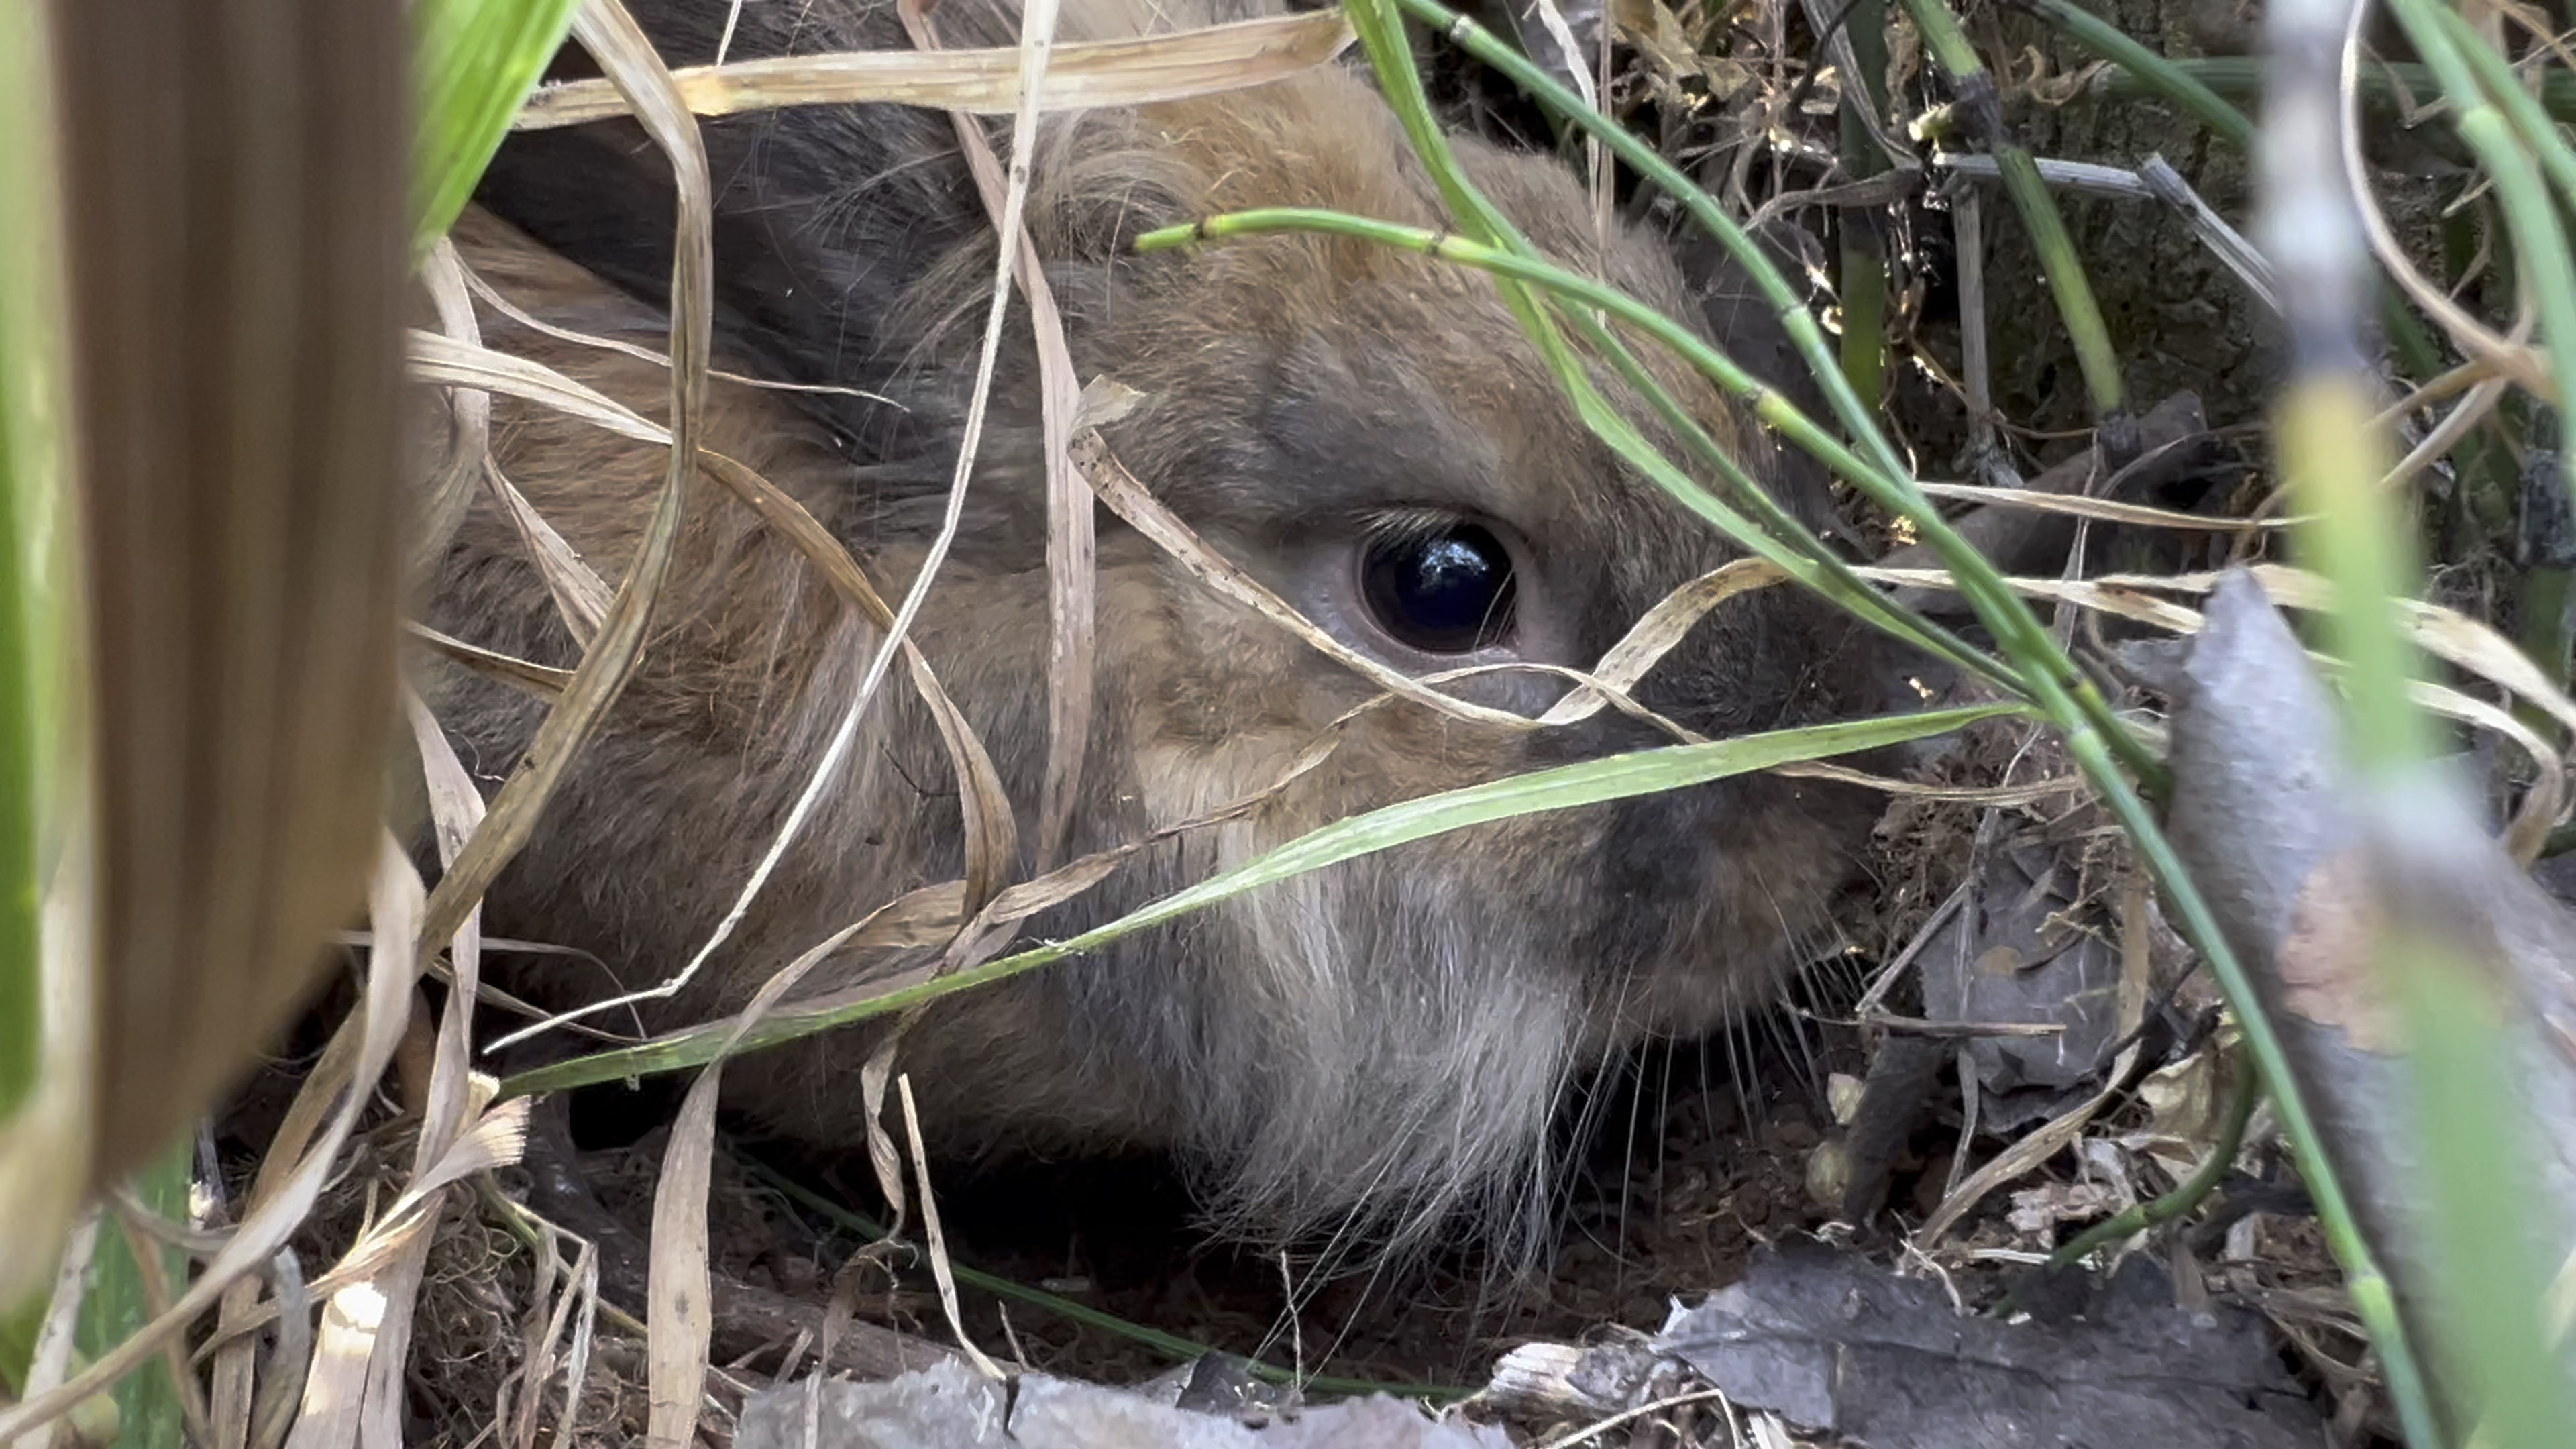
[1443,593]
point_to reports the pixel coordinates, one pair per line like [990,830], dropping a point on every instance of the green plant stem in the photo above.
[1862,282]
[1974,88]
[1171,1345]
[2241,1097]
[2488,1288]
[1786,543]
[2382,83]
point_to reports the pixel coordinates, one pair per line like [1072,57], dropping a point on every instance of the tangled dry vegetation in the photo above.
[2006,1045]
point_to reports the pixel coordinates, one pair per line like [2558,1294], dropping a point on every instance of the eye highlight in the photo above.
[1443,589]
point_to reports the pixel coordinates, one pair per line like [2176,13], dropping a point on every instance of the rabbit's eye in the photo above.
[1446,591]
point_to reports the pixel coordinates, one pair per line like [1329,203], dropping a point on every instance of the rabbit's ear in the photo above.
[826,217]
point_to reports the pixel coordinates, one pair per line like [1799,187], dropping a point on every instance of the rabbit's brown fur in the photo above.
[1379,1043]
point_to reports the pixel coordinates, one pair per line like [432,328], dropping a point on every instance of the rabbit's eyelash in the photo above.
[1385,526]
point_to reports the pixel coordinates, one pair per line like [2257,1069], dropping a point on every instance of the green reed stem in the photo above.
[2382,83]
[2242,1095]
[1982,108]
[2485,1327]
[2490,1327]
[473,62]
[1863,280]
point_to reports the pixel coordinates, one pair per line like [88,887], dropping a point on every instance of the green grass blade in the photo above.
[116,1305]
[1591,782]
[1862,281]
[475,60]
[30,463]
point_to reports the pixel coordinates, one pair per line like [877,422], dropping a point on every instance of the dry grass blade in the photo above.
[580,595]
[678,1318]
[335,1389]
[938,1241]
[51,1358]
[1071,571]
[444,361]
[983,802]
[2102,510]
[546,1345]
[534,323]
[678,1326]
[1996,795]
[235,248]
[986,82]
[539,680]
[469,416]
[2514,359]
[354,1388]
[317,1126]
[1658,630]
[611,36]
[984,805]
[1128,498]
[2453,637]
[990,845]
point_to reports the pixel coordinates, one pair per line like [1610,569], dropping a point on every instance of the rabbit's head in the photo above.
[1365,432]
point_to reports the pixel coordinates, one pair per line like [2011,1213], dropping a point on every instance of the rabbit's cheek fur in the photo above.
[1378,1044]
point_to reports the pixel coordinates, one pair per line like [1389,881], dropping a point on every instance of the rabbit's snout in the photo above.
[1366,432]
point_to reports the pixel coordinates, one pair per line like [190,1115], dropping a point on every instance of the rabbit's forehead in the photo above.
[1440,402]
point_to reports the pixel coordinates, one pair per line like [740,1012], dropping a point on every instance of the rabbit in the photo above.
[1378,1048]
